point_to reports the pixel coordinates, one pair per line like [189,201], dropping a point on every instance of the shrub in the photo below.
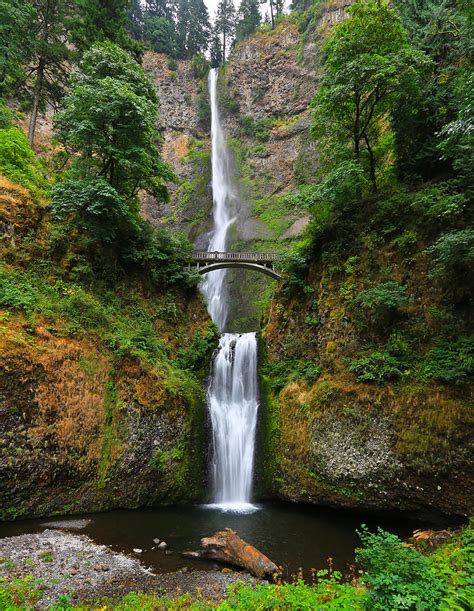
[92,205]
[450,362]
[397,575]
[386,296]
[199,66]
[17,160]
[437,203]
[453,256]
[376,368]
[17,292]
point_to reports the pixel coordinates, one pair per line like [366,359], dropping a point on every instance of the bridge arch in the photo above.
[263,269]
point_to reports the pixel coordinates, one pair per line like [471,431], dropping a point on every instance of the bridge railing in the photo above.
[236,256]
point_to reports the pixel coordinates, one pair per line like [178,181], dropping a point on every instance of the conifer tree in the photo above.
[225,24]
[215,49]
[248,19]
[47,69]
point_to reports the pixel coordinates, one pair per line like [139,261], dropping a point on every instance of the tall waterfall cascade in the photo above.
[232,395]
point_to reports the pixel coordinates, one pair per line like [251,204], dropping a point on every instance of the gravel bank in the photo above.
[72,565]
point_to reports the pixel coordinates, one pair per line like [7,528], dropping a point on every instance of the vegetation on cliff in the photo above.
[373,329]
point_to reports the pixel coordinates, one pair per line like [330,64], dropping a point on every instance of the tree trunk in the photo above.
[226,546]
[36,103]
[373,178]
[271,14]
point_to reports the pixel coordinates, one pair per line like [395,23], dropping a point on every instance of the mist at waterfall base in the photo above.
[232,396]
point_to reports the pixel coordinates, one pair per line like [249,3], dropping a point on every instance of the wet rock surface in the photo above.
[72,565]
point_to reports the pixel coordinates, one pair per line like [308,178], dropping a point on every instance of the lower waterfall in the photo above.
[233,403]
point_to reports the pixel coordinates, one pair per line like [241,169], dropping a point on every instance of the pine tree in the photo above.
[47,69]
[15,30]
[99,20]
[199,28]
[225,24]
[135,20]
[215,49]
[248,19]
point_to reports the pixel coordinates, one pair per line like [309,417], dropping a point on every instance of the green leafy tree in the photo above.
[135,20]
[107,125]
[369,67]
[443,30]
[15,22]
[248,19]
[225,24]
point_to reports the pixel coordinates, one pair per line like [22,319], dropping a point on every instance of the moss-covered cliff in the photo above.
[101,398]
[368,370]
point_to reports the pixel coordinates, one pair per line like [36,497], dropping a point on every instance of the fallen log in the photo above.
[226,546]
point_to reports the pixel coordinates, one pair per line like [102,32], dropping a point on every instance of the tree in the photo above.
[99,20]
[199,28]
[225,24]
[248,19]
[215,50]
[135,20]
[369,67]
[160,34]
[107,125]
[15,54]
[443,30]
[47,70]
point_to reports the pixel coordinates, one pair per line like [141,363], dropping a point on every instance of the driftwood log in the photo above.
[226,546]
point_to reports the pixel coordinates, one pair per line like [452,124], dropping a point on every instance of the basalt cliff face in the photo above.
[88,422]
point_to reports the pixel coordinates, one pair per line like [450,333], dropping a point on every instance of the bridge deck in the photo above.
[229,257]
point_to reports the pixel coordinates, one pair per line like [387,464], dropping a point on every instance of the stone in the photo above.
[156,541]
[137,550]
[162,545]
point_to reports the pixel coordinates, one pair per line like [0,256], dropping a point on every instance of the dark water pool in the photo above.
[291,535]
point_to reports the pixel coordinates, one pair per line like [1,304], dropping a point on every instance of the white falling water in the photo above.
[223,193]
[233,391]
[233,403]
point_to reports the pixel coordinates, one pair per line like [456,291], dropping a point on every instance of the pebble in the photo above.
[137,550]
[156,541]
[162,545]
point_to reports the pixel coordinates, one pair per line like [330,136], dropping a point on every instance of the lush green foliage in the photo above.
[369,67]
[377,368]
[450,362]
[397,576]
[18,162]
[108,123]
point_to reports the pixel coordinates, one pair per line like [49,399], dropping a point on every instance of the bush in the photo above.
[453,256]
[93,206]
[199,66]
[376,368]
[17,292]
[437,203]
[386,296]
[282,372]
[450,362]
[397,575]
[17,160]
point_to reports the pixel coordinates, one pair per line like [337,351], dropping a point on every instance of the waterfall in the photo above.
[232,395]
[224,199]
[233,403]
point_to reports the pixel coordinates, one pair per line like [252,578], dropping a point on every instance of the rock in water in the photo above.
[226,546]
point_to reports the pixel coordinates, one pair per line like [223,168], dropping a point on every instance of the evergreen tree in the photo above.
[47,67]
[225,24]
[199,28]
[215,49]
[99,20]
[248,19]
[135,20]
[15,52]
[159,33]
[182,27]
[160,8]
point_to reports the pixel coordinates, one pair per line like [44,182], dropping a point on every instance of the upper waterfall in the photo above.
[224,209]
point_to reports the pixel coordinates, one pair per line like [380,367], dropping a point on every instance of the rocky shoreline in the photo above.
[60,564]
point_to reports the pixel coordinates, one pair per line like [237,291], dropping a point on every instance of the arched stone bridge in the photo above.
[257,261]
